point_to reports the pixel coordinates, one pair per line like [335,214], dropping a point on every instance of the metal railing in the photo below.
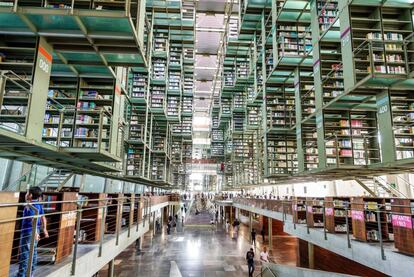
[14,116]
[119,5]
[70,223]
[352,213]
[379,54]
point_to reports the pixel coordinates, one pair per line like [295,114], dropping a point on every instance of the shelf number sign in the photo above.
[45,60]
[382,105]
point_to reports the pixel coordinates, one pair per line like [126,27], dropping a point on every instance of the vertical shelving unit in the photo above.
[314,212]
[365,218]
[336,211]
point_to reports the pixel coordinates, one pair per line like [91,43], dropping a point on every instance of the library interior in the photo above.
[206,138]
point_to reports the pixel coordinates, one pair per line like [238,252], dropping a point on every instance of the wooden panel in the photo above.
[403,236]
[329,261]
[358,226]
[7,230]
[329,218]
[92,218]
[66,226]
[302,254]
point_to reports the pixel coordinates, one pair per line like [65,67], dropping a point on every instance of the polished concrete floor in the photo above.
[197,251]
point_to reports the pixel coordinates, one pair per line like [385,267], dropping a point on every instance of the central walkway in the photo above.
[198,251]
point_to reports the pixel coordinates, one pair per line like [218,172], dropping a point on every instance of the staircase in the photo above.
[379,187]
[56,179]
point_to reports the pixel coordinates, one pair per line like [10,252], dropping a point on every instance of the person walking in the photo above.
[33,197]
[158,226]
[253,237]
[250,261]
[263,234]
[264,255]
[227,226]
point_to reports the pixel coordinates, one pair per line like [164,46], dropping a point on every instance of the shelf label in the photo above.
[68,219]
[383,105]
[403,221]
[329,211]
[357,215]
[319,121]
[346,36]
[316,66]
[310,209]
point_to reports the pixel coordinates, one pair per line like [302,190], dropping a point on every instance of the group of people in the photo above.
[264,255]
[264,258]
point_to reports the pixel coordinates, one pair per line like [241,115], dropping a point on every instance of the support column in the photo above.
[231,213]
[270,232]
[111,268]
[311,256]
[153,224]
[250,225]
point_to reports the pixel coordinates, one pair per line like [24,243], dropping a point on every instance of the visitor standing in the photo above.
[250,261]
[33,196]
[264,255]
[253,237]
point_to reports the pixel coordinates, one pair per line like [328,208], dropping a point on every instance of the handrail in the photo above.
[22,178]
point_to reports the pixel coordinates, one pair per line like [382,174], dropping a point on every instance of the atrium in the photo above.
[206,138]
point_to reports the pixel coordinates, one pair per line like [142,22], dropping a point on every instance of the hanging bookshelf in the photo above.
[253,117]
[173,108]
[239,101]
[174,83]
[238,122]
[187,105]
[17,55]
[294,40]
[309,144]
[330,65]
[402,106]
[94,113]
[225,108]
[157,99]
[138,86]
[217,149]
[158,170]
[135,160]
[62,96]
[327,14]
[280,105]
[281,155]
[351,138]
[385,32]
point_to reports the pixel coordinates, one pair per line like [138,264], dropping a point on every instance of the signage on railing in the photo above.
[403,221]
[329,211]
[357,215]
[68,219]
